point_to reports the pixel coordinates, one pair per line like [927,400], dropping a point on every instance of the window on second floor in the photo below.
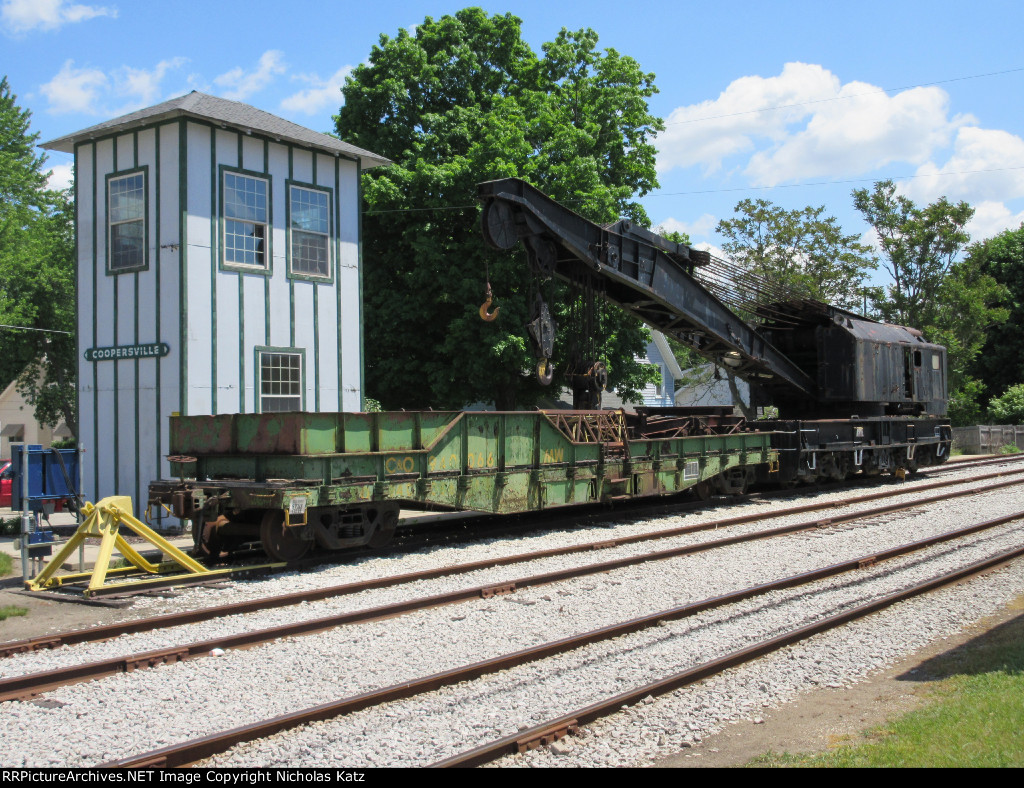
[309,228]
[126,215]
[246,220]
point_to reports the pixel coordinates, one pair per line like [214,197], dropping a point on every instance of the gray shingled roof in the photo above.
[230,113]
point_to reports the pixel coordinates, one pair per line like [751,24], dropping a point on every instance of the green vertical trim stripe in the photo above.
[359,268]
[266,281]
[337,273]
[316,348]
[117,387]
[183,265]
[95,331]
[241,344]
[135,278]
[291,284]
[78,328]
[156,275]
[241,308]
[214,256]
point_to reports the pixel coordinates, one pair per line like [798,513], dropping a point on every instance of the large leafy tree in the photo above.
[1001,362]
[919,247]
[37,292]
[802,251]
[934,288]
[461,100]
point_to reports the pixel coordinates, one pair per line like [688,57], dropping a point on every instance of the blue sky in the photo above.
[793,102]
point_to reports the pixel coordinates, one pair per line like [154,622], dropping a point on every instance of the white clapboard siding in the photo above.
[201,323]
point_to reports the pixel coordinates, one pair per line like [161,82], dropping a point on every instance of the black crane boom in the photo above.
[645,274]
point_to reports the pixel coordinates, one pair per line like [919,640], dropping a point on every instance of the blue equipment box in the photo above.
[46,480]
[40,544]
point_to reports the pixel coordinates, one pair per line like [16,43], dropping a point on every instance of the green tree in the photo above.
[799,250]
[462,100]
[1001,363]
[950,299]
[37,292]
[919,247]
[1008,408]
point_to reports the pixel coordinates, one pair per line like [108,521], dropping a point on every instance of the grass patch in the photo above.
[1009,448]
[7,611]
[974,718]
[6,564]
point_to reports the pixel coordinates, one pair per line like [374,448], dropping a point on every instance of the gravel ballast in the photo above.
[148,709]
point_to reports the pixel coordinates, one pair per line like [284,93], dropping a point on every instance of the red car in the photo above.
[6,474]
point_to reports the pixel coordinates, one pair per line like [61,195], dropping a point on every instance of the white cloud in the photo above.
[76,89]
[145,85]
[991,218]
[238,84]
[805,123]
[324,93]
[860,135]
[90,90]
[698,228]
[20,16]
[61,176]
[986,165]
[711,131]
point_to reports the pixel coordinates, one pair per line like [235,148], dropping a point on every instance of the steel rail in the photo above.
[985,459]
[168,620]
[554,729]
[195,750]
[33,684]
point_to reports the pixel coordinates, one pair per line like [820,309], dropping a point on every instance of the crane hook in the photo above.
[484,314]
[545,371]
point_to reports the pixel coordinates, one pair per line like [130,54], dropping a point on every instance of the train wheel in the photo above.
[840,467]
[702,490]
[280,543]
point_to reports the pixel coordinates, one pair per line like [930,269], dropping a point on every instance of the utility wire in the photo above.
[832,183]
[734,189]
[44,330]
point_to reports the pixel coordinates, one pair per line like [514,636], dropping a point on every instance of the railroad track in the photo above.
[197,750]
[613,566]
[19,687]
[122,628]
[496,525]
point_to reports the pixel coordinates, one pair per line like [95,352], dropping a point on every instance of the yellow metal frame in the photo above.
[102,521]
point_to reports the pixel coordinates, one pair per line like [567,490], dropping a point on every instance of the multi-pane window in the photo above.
[280,382]
[245,220]
[126,213]
[309,221]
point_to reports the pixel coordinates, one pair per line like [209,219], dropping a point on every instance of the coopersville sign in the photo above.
[152,350]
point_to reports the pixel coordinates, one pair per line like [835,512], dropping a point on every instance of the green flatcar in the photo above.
[338,480]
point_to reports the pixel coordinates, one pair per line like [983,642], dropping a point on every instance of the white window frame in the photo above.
[115,224]
[260,227]
[285,391]
[297,267]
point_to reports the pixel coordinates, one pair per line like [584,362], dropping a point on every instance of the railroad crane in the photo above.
[854,395]
[822,367]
